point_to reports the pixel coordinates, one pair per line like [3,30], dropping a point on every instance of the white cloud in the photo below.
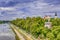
[7,8]
[36,8]
[40,7]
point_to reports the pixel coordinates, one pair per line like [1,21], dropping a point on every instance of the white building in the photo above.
[47,17]
[48,24]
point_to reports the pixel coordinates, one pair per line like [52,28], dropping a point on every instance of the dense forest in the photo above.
[1,22]
[35,26]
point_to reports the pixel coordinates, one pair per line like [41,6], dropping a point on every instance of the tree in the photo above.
[50,36]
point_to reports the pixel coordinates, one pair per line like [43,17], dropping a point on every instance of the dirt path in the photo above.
[18,34]
[22,33]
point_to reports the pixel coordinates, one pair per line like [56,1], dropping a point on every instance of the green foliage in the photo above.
[35,26]
[1,22]
[58,36]
[55,22]
[50,35]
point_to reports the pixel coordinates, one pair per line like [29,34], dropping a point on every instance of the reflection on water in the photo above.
[6,32]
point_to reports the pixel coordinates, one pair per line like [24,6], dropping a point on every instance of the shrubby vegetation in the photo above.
[1,22]
[35,26]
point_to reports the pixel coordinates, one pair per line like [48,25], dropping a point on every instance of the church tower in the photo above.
[55,15]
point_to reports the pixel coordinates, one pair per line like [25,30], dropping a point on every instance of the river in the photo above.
[6,32]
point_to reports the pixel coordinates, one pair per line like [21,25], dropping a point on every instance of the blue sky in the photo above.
[12,9]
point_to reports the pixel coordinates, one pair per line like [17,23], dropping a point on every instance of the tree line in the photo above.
[35,26]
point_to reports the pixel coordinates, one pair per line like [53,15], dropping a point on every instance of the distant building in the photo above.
[56,15]
[47,17]
[48,24]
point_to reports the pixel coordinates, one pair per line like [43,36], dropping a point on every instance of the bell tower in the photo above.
[55,15]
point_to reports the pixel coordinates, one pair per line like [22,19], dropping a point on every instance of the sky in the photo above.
[12,9]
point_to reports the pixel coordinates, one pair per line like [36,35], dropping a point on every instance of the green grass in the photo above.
[17,38]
